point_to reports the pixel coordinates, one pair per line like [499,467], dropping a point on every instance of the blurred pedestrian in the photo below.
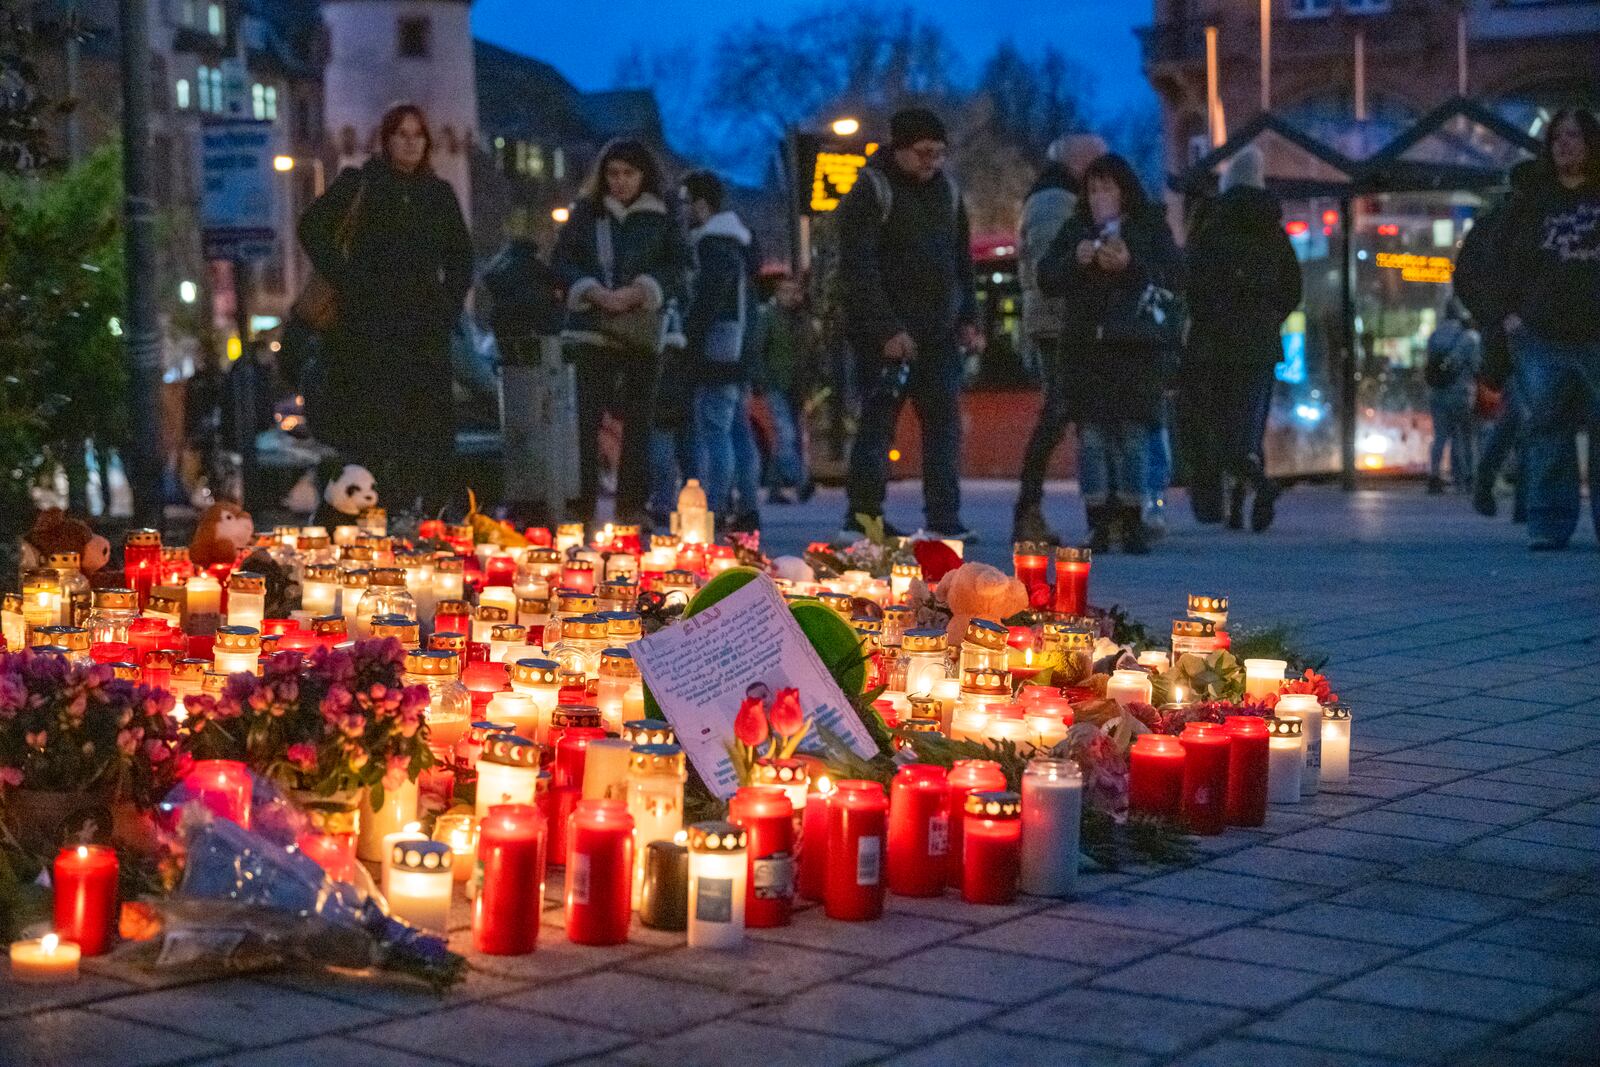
[622,257]
[1244,280]
[389,240]
[909,306]
[1454,358]
[787,350]
[1050,203]
[1116,263]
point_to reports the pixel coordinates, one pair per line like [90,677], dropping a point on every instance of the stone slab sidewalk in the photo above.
[1441,907]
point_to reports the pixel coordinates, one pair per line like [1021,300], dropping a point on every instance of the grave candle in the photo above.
[1154,659]
[247,599]
[411,831]
[599,861]
[1196,636]
[650,732]
[516,711]
[202,606]
[508,642]
[716,885]
[1286,760]
[1048,720]
[85,881]
[1072,580]
[459,830]
[766,816]
[500,570]
[919,830]
[1030,563]
[510,881]
[449,584]
[857,826]
[47,960]
[605,768]
[1205,777]
[508,772]
[156,669]
[320,588]
[141,557]
[237,650]
[1129,687]
[991,847]
[813,878]
[664,896]
[352,594]
[1248,758]
[984,647]
[1155,775]
[1335,743]
[901,575]
[656,774]
[539,680]
[1263,677]
[399,808]
[966,776]
[1052,810]
[223,786]
[1306,708]
[420,878]
[618,675]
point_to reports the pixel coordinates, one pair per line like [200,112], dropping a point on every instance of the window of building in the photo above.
[203,80]
[415,37]
[188,13]
[558,164]
[264,101]
[1366,7]
[1304,9]
[180,93]
[535,167]
[214,22]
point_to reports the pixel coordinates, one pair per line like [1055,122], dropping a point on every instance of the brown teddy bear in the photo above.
[225,530]
[54,531]
[977,590]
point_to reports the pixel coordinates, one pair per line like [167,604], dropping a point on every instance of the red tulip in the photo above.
[750,725]
[788,718]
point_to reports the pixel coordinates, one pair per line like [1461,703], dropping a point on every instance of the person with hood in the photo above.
[622,259]
[1455,356]
[1244,280]
[905,264]
[1050,203]
[389,239]
[715,323]
[1547,297]
[1116,263]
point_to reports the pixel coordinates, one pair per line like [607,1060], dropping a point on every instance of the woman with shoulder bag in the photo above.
[393,264]
[1120,271]
[622,258]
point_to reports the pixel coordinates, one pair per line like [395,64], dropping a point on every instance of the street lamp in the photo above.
[846,127]
[286,164]
[560,214]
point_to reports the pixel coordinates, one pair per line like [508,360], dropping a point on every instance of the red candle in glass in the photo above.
[1205,777]
[113,652]
[141,557]
[919,830]
[766,815]
[572,748]
[578,574]
[483,680]
[223,786]
[1030,564]
[452,622]
[813,876]
[298,641]
[1155,775]
[692,557]
[599,872]
[991,843]
[539,537]
[1247,769]
[156,668]
[966,776]
[146,635]
[510,897]
[858,817]
[1072,580]
[562,802]
[430,530]
[85,881]
[334,853]
[500,570]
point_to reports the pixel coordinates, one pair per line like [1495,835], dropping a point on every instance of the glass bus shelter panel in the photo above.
[1464,142]
[1287,163]
[1303,421]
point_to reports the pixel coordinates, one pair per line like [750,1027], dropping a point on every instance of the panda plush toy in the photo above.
[347,489]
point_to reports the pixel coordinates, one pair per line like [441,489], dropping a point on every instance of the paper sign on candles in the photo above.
[699,672]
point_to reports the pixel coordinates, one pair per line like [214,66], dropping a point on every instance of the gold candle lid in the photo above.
[389,577]
[987,634]
[424,856]
[509,750]
[986,681]
[649,732]
[329,626]
[238,638]
[567,716]
[1200,603]
[906,570]
[161,659]
[515,633]
[174,553]
[190,669]
[623,624]
[866,626]
[716,837]
[533,605]
[492,613]
[359,552]
[214,682]
[543,556]
[572,602]
[71,638]
[534,671]
[921,724]
[431,662]
[665,541]
[999,804]
[841,603]
[143,538]
[584,628]
[1194,628]
[618,663]
[657,761]
[453,607]
[403,629]
[676,579]
[578,565]
[125,672]
[312,542]
[247,582]
[66,561]
[355,579]
[116,599]
[770,771]
[448,564]
[924,706]
[448,641]
[322,572]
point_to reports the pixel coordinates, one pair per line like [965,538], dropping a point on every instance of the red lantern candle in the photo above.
[500,570]
[1031,565]
[857,825]
[919,830]
[1205,777]
[538,537]
[571,749]
[85,881]
[483,680]
[112,652]
[510,890]
[578,574]
[767,817]
[966,776]
[692,557]
[146,635]
[453,617]
[599,872]
[991,843]
[1248,759]
[813,876]
[1155,775]
[156,668]
[141,557]
[1072,580]
[223,786]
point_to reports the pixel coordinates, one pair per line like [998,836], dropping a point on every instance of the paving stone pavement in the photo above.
[1441,907]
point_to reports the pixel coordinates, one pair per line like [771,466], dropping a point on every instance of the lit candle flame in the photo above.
[48,943]
[680,837]
[83,852]
[824,785]
[412,827]
[1177,694]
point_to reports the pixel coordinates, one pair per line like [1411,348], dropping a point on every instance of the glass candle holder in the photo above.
[247,599]
[926,659]
[656,774]
[1209,606]
[1155,776]
[1263,677]
[458,830]
[114,611]
[352,595]
[991,862]
[538,680]
[237,650]
[766,816]
[1129,687]
[1247,769]
[421,877]
[41,599]
[1306,708]
[605,768]
[599,861]
[717,881]
[623,628]
[649,732]
[1052,813]
[517,712]
[619,693]
[984,647]
[202,608]
[1335,743]
[1030,563]
[1286,760]
[901,575]
[405,630]
[966,776]
[919,830]
[509,895]
[1193,637]
[449,580]
[1205,777]
[449,704]
[319,589]
[583,639]
[141,558]
[508,772]
[1072,580]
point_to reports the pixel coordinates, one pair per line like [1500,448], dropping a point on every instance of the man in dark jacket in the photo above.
[905,261]
[1244,280]
[721,307]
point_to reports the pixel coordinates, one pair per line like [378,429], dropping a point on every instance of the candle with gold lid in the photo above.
[1335,743]
[539,680]
[793,776]
[619,679]
[1196,636]
[984,646]
[449,579]
[237,650]
[649,732]
[1286,760]
[656,774]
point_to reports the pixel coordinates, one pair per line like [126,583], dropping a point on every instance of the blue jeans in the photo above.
[933,385]
[1158,466]
[1112,462]
[672,461]
[1558,386]
[726,449]
[1453,426]
[788,466]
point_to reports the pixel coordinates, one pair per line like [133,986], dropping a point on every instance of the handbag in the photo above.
[1155,320]
[318,303]
[639,330]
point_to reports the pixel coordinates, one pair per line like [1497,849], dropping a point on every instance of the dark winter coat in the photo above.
[647,247]
[1244,278]
[911,271]
[525,294]
[1111,381]
[722,297]
[1545,263]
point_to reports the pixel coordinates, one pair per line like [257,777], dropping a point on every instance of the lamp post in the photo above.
[141,324]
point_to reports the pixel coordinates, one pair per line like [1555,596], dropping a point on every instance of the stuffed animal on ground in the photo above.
[348,489]
[225,530]
[977,590]
[55,531]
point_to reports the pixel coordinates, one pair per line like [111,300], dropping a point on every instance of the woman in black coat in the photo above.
[389,237]
[1118,268]
[622,258]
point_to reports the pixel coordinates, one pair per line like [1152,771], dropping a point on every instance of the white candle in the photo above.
[1262,677]
[1286,761]
[420,879]
[656,774]
[1046,726]
[449,583]
[538,680]
[1008,729]
[1306,708]
[399,808]
[47,960]
[1155,660]
[605,769]
[515,710]
[508,772]
[1129,687]
[319,592]
[970,723]
[716,885]
[345,536]
[411,831]
[500,596]
[202,608]
[948,691]
[1052,807]
[1335,743]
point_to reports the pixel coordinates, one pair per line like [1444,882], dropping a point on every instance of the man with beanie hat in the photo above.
[905,264]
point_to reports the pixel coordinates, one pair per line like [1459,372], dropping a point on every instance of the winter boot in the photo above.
[1262,508]
[1236,506]
[1207,503]
[1100,519]
[1029,524]
[1135,538]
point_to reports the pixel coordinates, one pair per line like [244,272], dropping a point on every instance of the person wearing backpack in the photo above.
[905,264]
[1455,355]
